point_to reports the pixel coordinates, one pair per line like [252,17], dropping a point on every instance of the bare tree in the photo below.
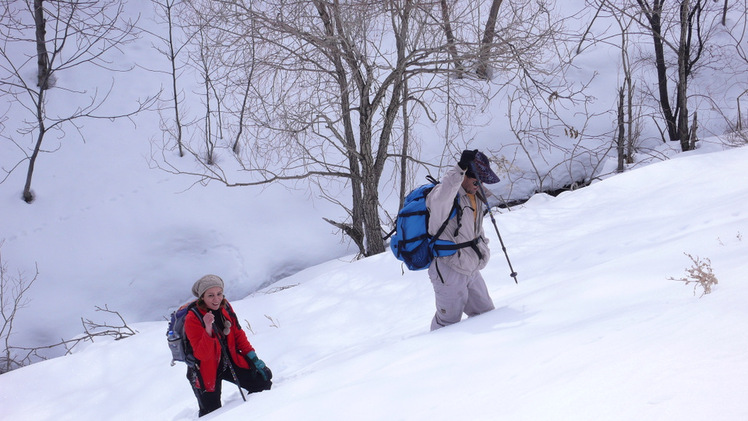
[550,114]
[206,69]
[683,47]
[683,31]
[449,34]
[326,94]
[488,38]
[12,300]
[401,24]
[628,122]
[42,55]
[620,139]
[737,31]
[325,98]
[171,47]
[83,33]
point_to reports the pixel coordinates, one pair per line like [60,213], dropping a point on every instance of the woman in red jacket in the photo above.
[220,347]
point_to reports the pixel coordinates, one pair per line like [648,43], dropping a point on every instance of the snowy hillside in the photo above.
[109,229]
[595,329]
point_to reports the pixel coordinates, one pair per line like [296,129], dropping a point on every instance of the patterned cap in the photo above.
[482,166]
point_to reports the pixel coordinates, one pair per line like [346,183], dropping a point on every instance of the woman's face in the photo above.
[213,297]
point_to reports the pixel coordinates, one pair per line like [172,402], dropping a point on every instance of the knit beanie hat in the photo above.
[205,283]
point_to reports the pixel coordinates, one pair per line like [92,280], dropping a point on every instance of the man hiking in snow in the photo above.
[457,281]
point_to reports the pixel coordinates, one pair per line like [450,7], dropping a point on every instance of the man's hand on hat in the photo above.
[466,158]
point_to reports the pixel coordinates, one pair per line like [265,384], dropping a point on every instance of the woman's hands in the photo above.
[208,320]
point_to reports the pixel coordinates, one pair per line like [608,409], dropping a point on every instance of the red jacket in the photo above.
[207,349]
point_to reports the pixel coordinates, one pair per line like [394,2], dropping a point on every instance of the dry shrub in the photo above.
[699,274]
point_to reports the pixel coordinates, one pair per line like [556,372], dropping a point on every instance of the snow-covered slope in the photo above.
[595,329]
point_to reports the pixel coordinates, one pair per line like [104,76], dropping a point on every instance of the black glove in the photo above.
[466,158]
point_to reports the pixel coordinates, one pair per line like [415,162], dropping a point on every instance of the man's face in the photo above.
[470,184]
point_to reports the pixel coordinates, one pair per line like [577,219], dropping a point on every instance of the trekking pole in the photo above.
[224,345]
[493,220]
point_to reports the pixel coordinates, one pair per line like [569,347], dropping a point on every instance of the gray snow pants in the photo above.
[457,294]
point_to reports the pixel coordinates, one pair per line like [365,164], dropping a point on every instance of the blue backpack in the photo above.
[175,336]
[411,242]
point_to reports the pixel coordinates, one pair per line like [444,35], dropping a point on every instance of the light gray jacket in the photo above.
[439,203]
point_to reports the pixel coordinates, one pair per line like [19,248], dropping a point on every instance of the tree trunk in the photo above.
[654,16]
[401,45]
[682,88]
[173,61]
[28,195]
[372,227]
[724,14]
[620,140]
[487,41]
[42,57]
[630,122]
[43,73]
[369,178]
[357,213]
[692,136]
[451,43]
[406,146]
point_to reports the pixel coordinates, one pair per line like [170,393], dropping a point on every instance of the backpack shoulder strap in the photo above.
[233,315]
[458,211]
[193,308]
[455,208]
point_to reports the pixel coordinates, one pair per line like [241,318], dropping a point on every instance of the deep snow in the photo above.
[594,330]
